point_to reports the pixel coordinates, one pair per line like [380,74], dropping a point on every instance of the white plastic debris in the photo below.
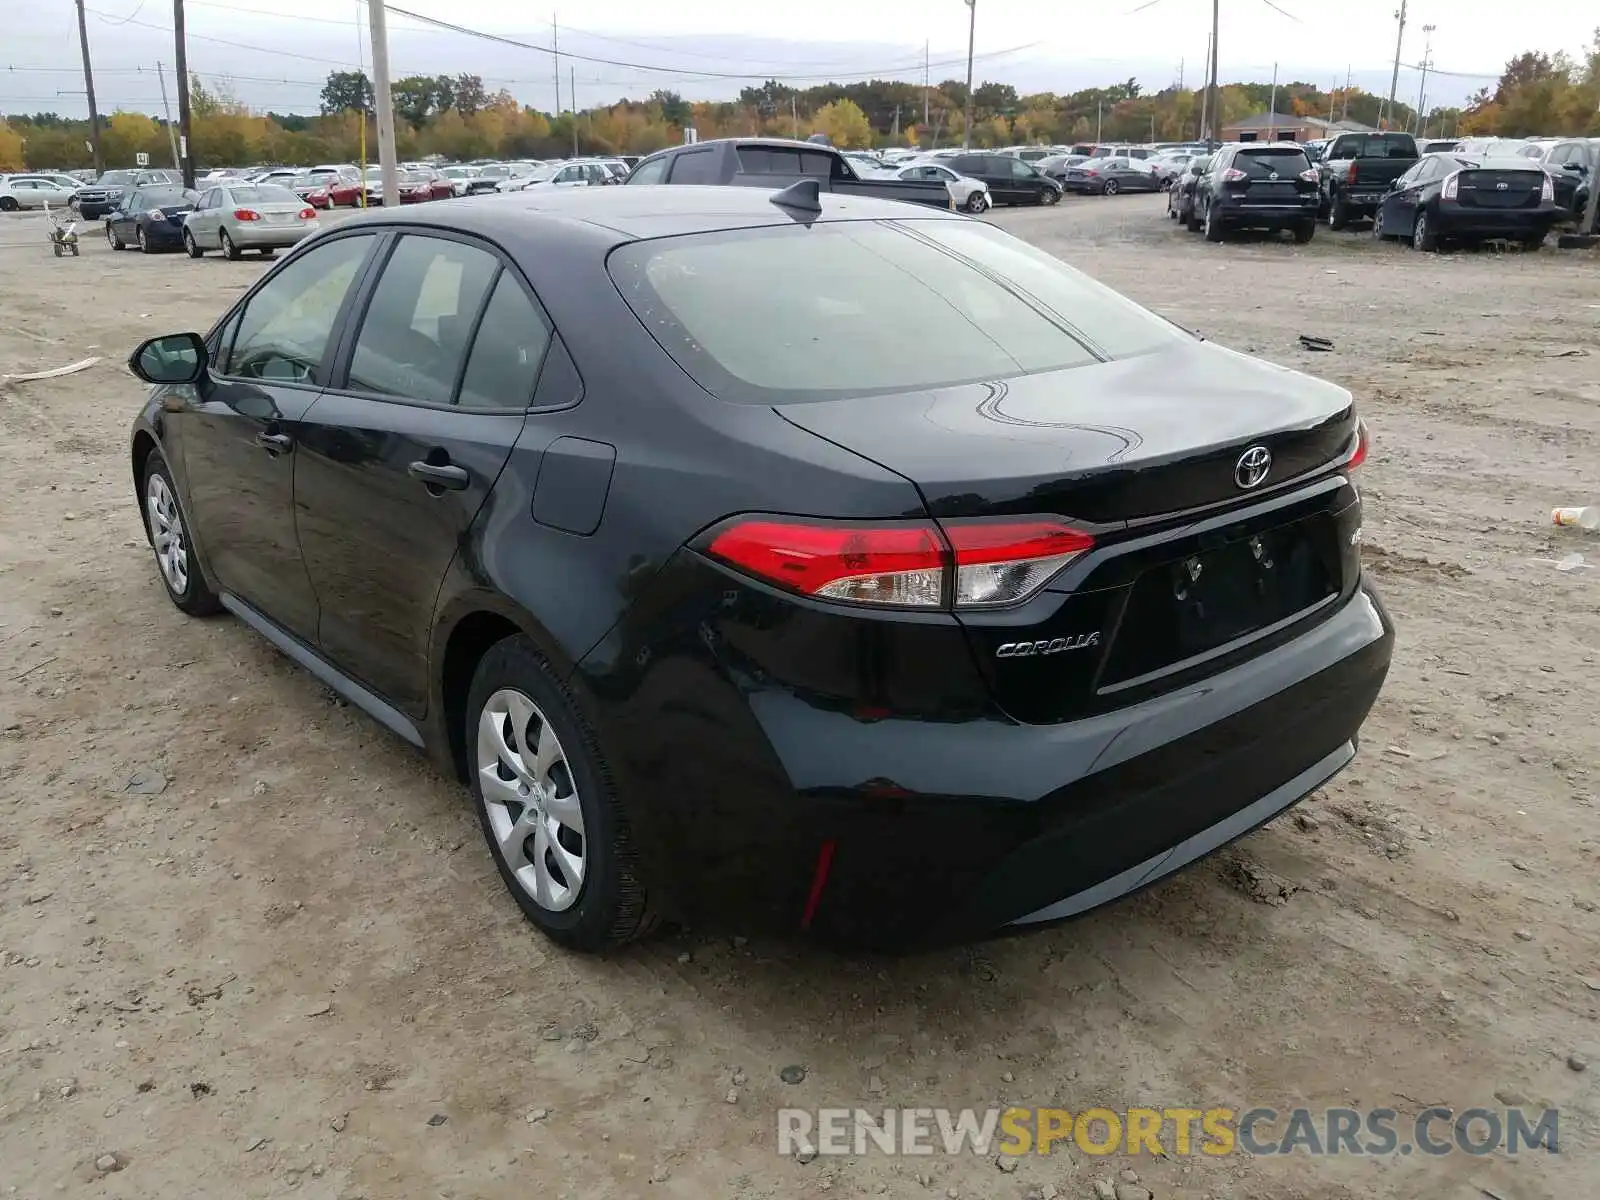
[70,369]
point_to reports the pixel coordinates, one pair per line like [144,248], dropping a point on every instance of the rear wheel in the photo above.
[549,811]
[1191,218]
[229,250]
[1338,213]
[1422,235]
[1110,188]
[1305,231]
[1214,228]
[190,246]
[1533,241]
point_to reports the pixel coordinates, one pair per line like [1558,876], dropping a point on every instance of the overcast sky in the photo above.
[282,49]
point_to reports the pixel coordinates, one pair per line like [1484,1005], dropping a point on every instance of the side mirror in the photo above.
[1578,167]
[174,358]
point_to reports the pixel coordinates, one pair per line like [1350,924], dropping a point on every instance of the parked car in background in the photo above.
[1357,170]
[417,186]
[1571,163]
[279,175]
[1108,176]
[1456,197]
[33,191]
[1057,165]
[1028,154]
[619,170]
[778,163]
[1439,145]
[1010,180]
[468,181]
[237,217]
[568,175]
[1115,151]
[343,170]
[1499,147]
[1257,185]
[96,199]
[1167,165]
[309,183]
[1314,149]
[1180,196]
[968,194]
[985,633]
[150,217]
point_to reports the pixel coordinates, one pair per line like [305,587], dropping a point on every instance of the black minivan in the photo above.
[1010,180]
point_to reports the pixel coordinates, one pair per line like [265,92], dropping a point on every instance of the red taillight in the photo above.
[1233,175]
[246,214]
[1359,455]
[1310,175]
[308,214]
[1350,175]
[903,564]
[1452,186]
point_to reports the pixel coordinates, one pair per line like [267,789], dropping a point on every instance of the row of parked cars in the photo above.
[1425,193]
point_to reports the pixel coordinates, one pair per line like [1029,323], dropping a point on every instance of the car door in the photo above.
[123,218]
[1399,207]
[430,392]
[239,435]
[205,220]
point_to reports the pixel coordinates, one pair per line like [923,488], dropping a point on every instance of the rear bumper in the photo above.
[1269,216]
[1458,220]
[951,829]
[256,235]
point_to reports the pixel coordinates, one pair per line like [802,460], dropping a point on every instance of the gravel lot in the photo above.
[294,968]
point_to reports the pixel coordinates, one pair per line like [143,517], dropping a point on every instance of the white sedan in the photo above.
[32,191]
[970,195]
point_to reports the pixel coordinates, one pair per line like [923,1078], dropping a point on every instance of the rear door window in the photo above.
[694,166]
[413,339]
[507,352]
[654,171]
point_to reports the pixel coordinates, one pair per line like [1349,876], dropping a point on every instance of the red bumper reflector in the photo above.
[819,880]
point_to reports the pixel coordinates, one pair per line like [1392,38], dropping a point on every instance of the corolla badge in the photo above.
[1045,646]
[1252,467]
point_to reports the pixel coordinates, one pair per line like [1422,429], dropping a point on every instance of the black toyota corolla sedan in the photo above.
[630,506]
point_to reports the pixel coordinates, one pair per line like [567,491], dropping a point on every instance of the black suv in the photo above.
[1010,180]
[1257,185]
[629,505]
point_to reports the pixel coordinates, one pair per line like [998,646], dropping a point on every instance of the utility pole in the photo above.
[1099,119]
[573,78]
[926,90]
[1422,91]
[1180,74]
[88,87]
[1272,108]
[555,57]
[172,133]
[186,160]
[1349,74]
[1333,99]
[1205,97]
[972,33]
[794,115]
[1394,81]
[383,100]
[1212,137]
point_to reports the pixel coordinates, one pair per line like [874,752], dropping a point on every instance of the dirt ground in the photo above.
[293,968]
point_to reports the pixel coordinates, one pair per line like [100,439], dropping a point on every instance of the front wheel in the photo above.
[1305,231]
[113,238]
[1050,196]
[977,202]
[174,548]
[141,240]
[549,811]
[1377,226]
[1533,241]
[9,204]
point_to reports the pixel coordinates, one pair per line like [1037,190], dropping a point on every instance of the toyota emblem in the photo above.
[1252,467]
[1500,187]
[1273,175]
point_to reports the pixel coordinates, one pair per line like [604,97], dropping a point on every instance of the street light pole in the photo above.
[1394,81]
[1213,101]
[1422,92]
[972,31]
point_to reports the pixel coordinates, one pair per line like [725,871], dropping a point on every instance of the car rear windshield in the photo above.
[1377,145]
[263,193]
[788,314]
[1269,160]
[163,197]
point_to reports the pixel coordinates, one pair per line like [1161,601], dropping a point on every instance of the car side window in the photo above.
[654,171]
[1021,170]
[413,338]
[287,324]
[694,166]
[507,352]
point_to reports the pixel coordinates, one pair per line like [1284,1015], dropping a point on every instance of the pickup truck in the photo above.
[1357,171]
[777,163]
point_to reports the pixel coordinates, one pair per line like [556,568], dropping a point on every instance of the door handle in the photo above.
[275,443]
[452,477]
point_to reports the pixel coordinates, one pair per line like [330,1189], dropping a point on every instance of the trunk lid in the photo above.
[1486,187]
[1104,444]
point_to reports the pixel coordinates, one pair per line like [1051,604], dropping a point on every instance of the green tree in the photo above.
[468,96]
[345,91]
[415,99]
[674,109]
[844,123]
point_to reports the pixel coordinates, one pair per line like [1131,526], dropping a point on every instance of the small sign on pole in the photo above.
[690,135]
[141,159]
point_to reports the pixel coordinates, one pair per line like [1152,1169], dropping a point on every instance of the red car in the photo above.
[439,187]
[337,193]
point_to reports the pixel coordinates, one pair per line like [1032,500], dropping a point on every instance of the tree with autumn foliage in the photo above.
[11,157]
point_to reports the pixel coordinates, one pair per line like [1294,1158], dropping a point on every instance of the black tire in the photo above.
[229,251]
[1049,196]
[268,252]
[1422,235]
[1213,227]
[1110,188]
[141,240]
[1305,231]
[612,906]
[114,238]
[56,246]
[1191,219]
[196,597]
[1338,213]
[190,246]
[9,204]
[975,203]
[1377,225]
[1533,241]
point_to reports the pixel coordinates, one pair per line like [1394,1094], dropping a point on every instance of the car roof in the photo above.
[627,213]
